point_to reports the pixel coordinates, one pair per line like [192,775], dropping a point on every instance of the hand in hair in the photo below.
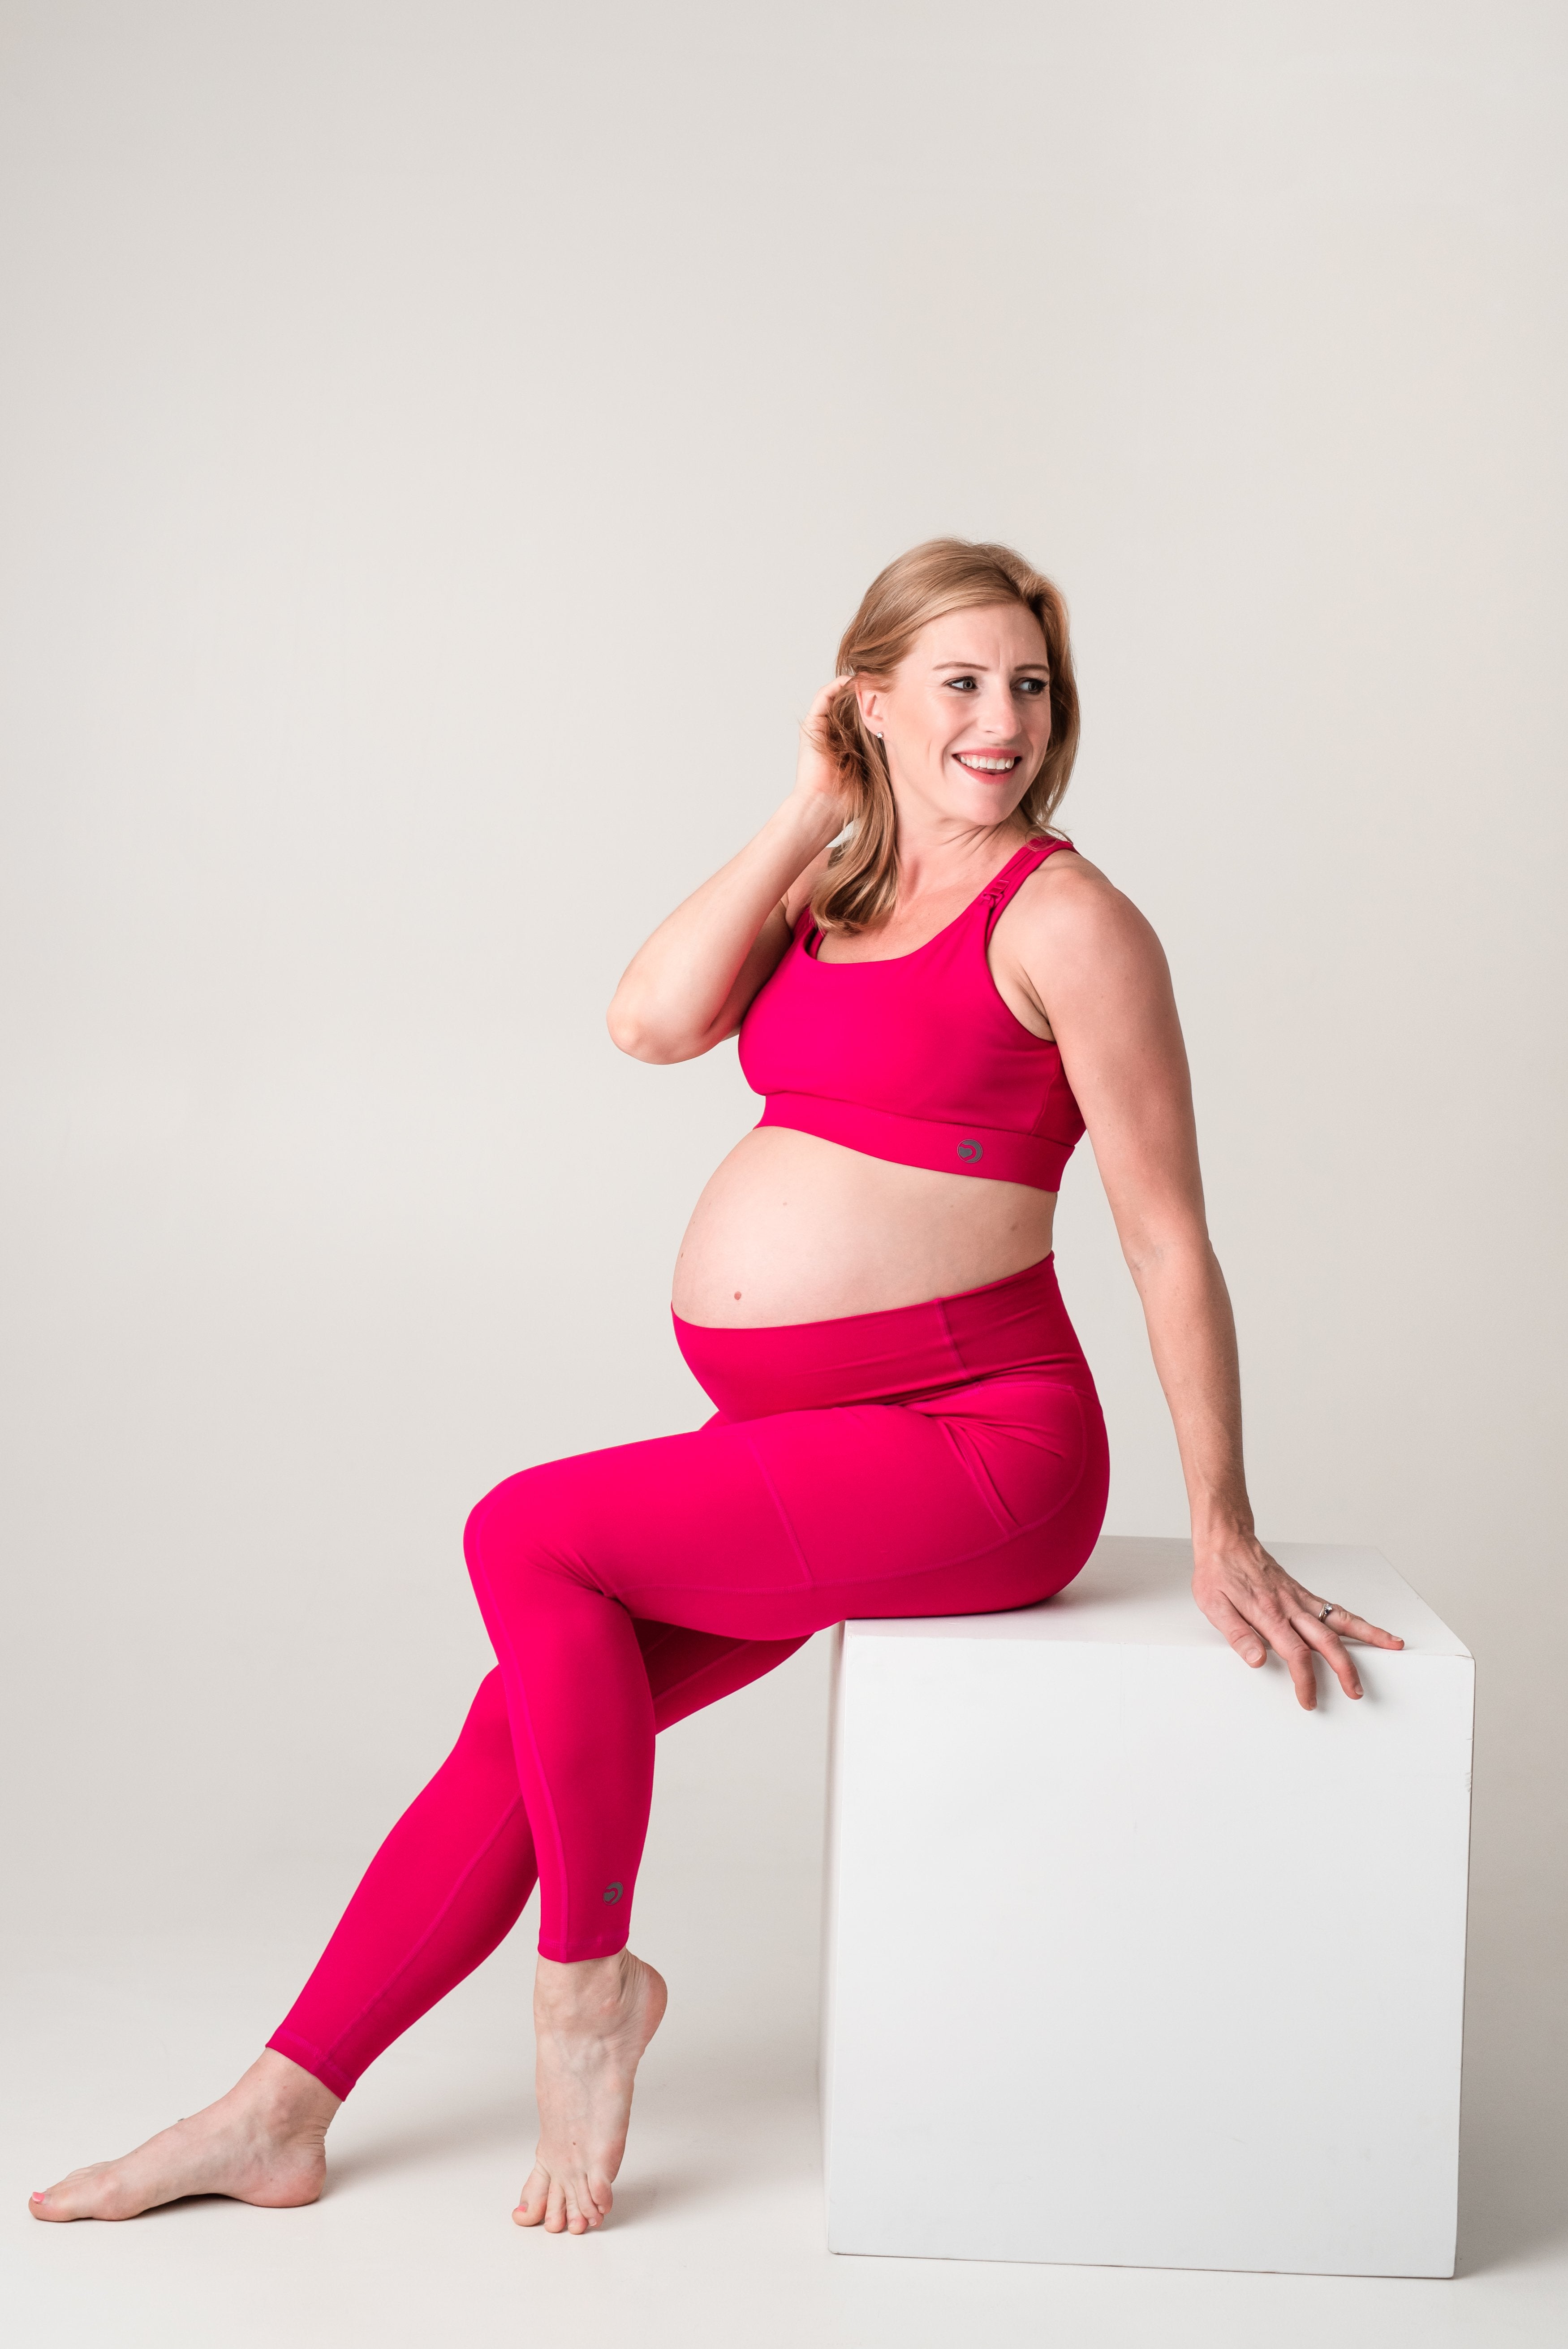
[820,780]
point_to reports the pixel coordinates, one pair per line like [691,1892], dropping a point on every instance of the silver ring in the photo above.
[1326,1610]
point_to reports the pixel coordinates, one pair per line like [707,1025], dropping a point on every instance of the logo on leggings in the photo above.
[614,1891]
[970,1150]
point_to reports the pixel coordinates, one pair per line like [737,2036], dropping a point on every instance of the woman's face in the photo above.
[966,717]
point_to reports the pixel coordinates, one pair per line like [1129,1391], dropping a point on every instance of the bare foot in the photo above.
[592,2022]
[263,2143]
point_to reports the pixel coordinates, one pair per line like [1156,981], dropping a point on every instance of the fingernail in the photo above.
[1255,1655]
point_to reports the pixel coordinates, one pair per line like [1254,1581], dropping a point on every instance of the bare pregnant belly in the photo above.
[792,1228]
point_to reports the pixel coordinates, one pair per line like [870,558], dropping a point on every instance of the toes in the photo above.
[570,2201]
[588,2202]
[534,2197]
[68,2200]
[561,2209]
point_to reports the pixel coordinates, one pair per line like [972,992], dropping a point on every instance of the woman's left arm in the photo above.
[1102,979]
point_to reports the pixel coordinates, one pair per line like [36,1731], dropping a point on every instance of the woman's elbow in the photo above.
[641,1038]
[1150,1254]
[631,1034]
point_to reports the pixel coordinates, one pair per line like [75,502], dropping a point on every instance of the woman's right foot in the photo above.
[592,2022]
[261,2143]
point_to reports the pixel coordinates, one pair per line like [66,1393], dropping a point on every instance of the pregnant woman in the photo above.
[937,996]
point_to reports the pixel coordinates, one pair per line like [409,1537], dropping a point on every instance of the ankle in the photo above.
[582,1987]
[286,2098]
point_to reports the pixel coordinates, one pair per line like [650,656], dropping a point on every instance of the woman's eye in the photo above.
[1034,685]
[962,684]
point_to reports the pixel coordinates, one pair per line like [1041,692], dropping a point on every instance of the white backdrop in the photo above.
[443,445]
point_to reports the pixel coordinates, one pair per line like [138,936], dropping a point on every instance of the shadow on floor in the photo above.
[1513,2138]
[496,2124]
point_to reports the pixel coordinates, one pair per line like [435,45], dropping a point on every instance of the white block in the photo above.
[1131,1961]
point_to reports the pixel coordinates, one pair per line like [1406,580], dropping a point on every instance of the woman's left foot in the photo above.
[592,2022]
[262,2143]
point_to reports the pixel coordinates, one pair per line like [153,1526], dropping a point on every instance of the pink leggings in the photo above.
[946,1458]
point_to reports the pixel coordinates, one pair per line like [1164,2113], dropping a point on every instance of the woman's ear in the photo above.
[870,699]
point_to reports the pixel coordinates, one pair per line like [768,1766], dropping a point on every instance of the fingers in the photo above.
[1323,1636]
[1253,1636]
[1269,1609]
[813,723]
[1328,1625]
[1246,1641]
[1355,1627]
[1296,1657]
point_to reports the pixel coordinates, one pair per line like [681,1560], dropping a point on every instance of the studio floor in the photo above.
[717,2235]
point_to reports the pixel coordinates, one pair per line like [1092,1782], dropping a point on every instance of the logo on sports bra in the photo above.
[614,1891]
[970,1150]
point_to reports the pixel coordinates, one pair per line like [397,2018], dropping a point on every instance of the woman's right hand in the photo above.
[820,792]
[688,986]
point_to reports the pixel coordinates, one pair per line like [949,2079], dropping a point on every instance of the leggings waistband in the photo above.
[1018,1323]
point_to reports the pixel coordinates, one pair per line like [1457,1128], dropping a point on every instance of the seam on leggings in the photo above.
[870,1582]
[980,1478]
[980,1475]
[656,1592]
[783,1513]
[556,1834]
[989,1501]
[971,1557]
[673,1688]
[1034,1523]
[425,1939]
[700,1671]
[309,2057]
[952,1345]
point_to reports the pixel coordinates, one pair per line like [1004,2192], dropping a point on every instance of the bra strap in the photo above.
[1014,874]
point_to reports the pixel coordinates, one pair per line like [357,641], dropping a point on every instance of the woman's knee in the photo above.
[518,1528]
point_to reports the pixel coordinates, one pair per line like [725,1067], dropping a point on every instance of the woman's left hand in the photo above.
[1248,1595]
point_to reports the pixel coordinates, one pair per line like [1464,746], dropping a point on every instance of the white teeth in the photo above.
[987,766]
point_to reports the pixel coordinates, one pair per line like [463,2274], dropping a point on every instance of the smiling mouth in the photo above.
[981,762]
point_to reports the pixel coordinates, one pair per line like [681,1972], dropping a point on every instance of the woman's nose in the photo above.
[998,716]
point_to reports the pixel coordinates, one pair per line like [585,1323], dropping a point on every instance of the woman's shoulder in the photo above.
[1063,876]
[1067,904]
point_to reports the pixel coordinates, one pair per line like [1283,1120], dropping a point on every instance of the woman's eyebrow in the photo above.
[983,665]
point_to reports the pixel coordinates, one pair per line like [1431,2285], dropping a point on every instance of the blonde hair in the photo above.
[860,886]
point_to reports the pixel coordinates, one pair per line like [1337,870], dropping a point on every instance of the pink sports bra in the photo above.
[916,1058]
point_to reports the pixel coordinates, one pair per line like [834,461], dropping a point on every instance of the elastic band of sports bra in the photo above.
[1006,1156]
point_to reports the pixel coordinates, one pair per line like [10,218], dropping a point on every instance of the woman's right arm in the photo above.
[688,986]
